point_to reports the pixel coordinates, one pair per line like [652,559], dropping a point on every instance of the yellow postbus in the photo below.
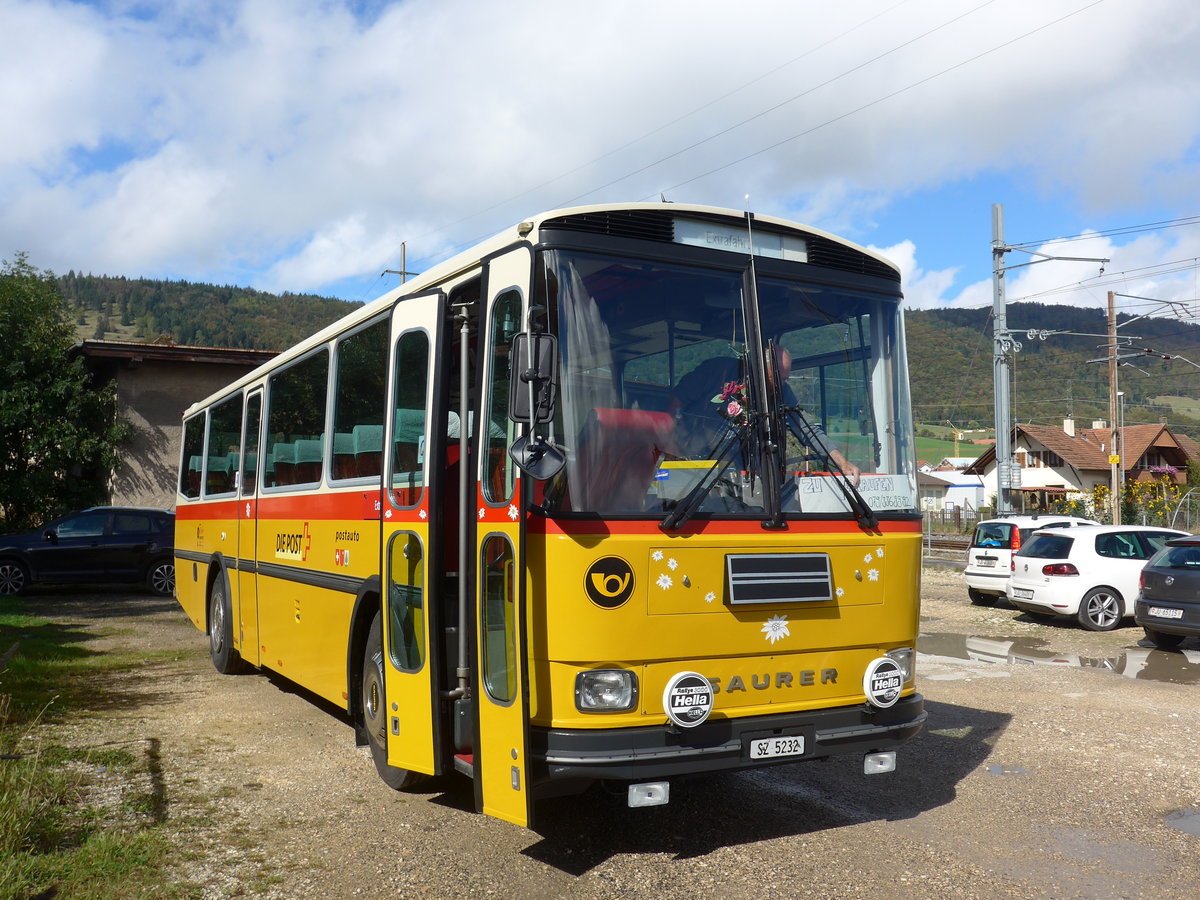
[623,494]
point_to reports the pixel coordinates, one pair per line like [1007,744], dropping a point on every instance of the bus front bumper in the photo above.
[638,754]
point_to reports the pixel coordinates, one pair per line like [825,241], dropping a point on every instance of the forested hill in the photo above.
[950,359]
[949,351]
[206,315]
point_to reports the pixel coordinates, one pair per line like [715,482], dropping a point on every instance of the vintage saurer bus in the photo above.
[623,494]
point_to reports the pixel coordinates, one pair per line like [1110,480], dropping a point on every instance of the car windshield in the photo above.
[1047,546]
[655,395]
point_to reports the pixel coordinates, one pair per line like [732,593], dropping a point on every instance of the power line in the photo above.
[886,97]
[781,104]
[1118,231]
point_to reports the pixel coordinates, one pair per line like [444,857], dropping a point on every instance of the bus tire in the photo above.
[374,713]
[225,658]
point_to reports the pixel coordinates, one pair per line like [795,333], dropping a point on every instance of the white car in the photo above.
[1090,572]
[989,558]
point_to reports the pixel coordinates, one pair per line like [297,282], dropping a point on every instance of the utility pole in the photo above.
[1114,457]
[403,270]
[1002,344]
[1008,473]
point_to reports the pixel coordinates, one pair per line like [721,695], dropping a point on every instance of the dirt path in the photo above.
[1030,781]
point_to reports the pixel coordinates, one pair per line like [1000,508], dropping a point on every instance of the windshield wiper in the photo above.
[724,452]
[808,435]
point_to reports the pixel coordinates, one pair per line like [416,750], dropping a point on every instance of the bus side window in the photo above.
[193,460]
[498,478]
[249,477]
[408,430]
[359,401]
[295,414]
[499,626]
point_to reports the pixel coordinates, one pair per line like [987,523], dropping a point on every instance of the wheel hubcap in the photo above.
[12,579]
[163,579]
[218,624]
[1102,609]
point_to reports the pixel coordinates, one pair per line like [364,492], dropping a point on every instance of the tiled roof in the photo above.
[1089,448]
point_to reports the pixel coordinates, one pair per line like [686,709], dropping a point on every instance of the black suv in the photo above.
[101,544]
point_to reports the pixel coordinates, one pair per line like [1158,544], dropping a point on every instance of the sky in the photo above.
[293,145]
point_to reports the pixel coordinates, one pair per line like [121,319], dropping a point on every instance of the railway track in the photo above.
[945,544]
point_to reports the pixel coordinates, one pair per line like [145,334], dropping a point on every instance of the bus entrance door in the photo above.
[501,685]
[412,647]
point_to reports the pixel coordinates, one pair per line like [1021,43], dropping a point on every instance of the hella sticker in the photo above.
[882,682]
[688,699]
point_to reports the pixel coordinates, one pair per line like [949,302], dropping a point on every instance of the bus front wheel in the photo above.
[375,714]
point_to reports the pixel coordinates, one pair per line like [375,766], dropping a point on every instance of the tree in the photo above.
[59,434]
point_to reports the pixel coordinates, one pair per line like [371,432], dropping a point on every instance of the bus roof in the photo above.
[470,258]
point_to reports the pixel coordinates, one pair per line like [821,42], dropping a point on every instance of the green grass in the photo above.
[934,451]
[57,836]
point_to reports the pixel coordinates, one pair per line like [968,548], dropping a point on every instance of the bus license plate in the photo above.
[1160,612]
[768,748]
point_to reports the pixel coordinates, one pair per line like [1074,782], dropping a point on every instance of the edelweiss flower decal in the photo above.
[840,591]
[710,597]
[872,574]
[514,513]
[776,628]
[672,565]
[879,552]
[657,556]
[664,582]
[869,558]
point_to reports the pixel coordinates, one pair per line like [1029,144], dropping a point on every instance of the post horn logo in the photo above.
[609,582]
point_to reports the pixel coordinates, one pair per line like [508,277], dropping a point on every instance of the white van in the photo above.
[989,558]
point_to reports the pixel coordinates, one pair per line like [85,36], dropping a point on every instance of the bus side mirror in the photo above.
[533,379]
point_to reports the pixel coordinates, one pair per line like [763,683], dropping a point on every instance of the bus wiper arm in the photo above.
[804,431]
[724,452]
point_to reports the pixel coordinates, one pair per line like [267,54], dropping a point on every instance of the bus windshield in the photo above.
[656,393]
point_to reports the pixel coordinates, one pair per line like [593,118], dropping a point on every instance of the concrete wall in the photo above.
[151,396]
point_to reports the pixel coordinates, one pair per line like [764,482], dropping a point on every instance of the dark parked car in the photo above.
[1168,606]
[101,544]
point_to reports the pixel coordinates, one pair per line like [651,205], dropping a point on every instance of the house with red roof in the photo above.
[1065,462]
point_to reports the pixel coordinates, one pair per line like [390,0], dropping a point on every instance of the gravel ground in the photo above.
[1056,763]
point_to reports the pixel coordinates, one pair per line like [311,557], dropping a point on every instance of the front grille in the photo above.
[831,255]
[778,578]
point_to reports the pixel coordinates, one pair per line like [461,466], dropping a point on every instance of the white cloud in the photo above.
[297,144]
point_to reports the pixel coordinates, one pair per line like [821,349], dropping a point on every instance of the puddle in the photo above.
[1171,666]
[1185,820]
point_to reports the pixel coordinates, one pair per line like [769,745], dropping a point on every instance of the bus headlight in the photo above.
[903,656]
[605,690]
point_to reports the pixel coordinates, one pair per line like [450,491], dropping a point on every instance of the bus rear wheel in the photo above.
[375,715]
[225,658]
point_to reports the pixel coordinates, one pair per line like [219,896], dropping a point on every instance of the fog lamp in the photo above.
[605,690]
[879,763]
[651,793]
[903,656]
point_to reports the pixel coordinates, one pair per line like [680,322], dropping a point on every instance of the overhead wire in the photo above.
[888,96]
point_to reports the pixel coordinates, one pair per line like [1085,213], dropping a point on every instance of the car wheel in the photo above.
[161,577]
[13,577]
[375,715]
[1162,640]
[1101,609]
[220,630]
[979,598]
